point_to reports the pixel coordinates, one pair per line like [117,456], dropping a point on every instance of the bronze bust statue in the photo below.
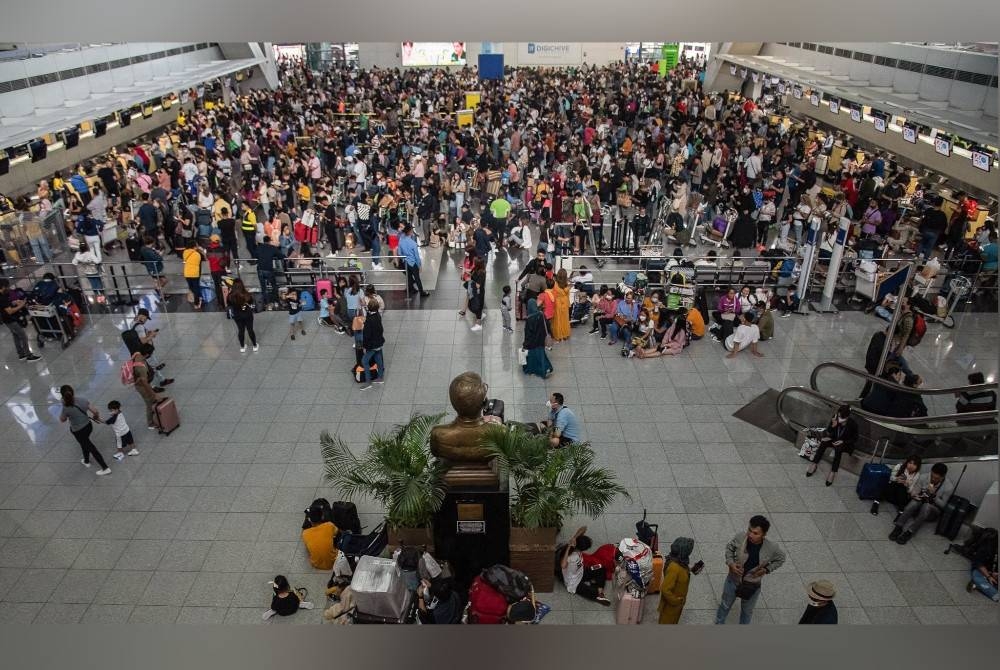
[457,443]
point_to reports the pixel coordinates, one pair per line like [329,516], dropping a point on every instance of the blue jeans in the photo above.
[268,288]
[883,313]
[366,361]
[729,597]
[96,283]
[983,585]
[624,332]
[40,249]
[376,248]
[927,243]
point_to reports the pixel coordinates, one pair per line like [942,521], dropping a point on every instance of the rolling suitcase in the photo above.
[628,609]
[874,476]
[380,590]
[821,164]
[955,512]
[324,285]
[657,580]
[167,419]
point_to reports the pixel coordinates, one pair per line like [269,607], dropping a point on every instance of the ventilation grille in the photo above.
[809,45]
[910,66]
[863,57]
[842,53]
[824,49]
[973,78]
[886,61]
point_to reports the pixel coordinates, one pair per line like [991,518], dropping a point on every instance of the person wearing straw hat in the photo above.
[821,608]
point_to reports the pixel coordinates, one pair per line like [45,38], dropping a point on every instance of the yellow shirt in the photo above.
[304,193]
[192,263]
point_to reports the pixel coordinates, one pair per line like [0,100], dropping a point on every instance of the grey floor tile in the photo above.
[19,613]
[107,614]
[154,614]
[35,585]
[891,616]
[794,527]
[20,552]
[125,587]
[59,553]
[228,556]
[143,554]
[213,589]
[921,589]
[185,555]
[856,556]
[982,615]
[79,586]
[813,556]
[202,615]
[159,526]
[200,526]
[838,527]
[688,475]
[936,616]
[100,554]
[741,500]
[61,613]
[876,589]
[244,616]
[780,499]
[702,500]
[167,588]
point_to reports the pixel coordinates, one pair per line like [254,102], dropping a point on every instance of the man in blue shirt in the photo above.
[564,427]
[411,256]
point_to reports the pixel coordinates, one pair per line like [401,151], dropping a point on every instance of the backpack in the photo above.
[307,302]
[345,516]
[131,340]
[203,221]
[128,373]
[513,584]
[918,331]
[486,604]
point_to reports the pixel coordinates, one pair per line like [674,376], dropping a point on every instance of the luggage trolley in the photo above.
[48,324]
[958,287]
[718,231]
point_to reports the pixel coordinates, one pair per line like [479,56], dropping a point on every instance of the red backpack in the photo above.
[486,604]
[919,329]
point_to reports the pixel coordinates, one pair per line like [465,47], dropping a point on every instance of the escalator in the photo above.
[943,435]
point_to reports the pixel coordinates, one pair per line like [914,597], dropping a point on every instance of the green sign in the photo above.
[670,54]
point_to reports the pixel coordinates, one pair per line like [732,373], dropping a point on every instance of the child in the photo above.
[123,435]
[324,318]
[506,305]
[294,314]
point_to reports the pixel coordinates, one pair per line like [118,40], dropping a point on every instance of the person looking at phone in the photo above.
[750,556]
[926,502]
[583,581]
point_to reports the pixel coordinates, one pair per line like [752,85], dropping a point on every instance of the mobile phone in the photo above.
[698,567]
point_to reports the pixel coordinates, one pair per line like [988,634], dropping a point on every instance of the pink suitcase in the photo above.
[167,418]
[324,285]
[629,608]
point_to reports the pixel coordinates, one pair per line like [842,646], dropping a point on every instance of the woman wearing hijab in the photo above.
[560,320]
[534,342]
[676,576]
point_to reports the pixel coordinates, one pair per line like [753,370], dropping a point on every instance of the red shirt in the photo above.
[548,303]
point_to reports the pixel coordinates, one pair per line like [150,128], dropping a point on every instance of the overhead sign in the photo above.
[549,53]
[423,54]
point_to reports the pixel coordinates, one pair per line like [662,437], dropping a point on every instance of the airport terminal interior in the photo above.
[692,333]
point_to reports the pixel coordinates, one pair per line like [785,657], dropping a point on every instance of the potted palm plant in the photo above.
[546,485]
[397,470]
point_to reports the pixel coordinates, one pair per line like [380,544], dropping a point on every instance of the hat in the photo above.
[214,238]
[822,590]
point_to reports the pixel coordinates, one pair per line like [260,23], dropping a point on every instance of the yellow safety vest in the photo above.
[249,223]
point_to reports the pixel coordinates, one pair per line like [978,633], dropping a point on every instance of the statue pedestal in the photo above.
[472,530]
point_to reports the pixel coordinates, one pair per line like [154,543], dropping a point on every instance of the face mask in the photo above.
[656,301]
[548,403]
[642,318]
[815,603]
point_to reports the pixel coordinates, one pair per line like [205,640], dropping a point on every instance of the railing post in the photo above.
[895,319]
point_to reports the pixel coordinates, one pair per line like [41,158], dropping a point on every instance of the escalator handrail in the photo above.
[898,424]
[969,388]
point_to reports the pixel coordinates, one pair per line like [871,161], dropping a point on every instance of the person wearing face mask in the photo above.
[840,435]
[820,609]
[604,315]
[562,425]
[625,319]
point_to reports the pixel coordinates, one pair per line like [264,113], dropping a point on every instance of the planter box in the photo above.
[411,537]
[532,551]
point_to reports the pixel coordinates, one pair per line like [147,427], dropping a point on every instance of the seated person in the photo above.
[520,235]
[583,280]
[747,334]
[319,539]
[328,315]
[765,320]
[910,404]
[674,340]
[984,565]
[643,335]
[979,401]
[696,321]
[563,426]
[625,320]
[580,579]
[885,309]
[932,492]
[726,315]
[286,601]
[605,310]
[789,303]
[841,436]
[902,484]
[580,310]
[438,602]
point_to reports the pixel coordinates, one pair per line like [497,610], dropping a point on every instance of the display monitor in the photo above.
[880,123]
[910,134]
[942,145]
[100,127]
[425,54]
[38,150]
[71,138]
[981,160]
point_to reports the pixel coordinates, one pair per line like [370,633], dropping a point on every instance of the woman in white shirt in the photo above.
[747,334]
[205,197]
[90,264]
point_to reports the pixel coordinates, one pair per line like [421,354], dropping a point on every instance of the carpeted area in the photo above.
[762,412]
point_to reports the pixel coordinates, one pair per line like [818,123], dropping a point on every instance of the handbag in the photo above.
[746,590]
[522,356]
[621,320]
[810,443]
[358,323]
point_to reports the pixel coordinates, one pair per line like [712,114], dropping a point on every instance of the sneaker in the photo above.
[86,464]
[424,294]
[160,366]
[508,329]
[896,531]
[602,600]
[331,255]
[168,382]
[31,358]
[366,387]
[256,348]
[134,452]
[243,350]
[119,456]
[379,381]
[476,328]
[377,267]
[151,427]
[785,315]
[105,471]
[904,538]
[592,331]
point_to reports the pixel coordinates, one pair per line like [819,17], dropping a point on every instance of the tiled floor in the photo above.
[193,528]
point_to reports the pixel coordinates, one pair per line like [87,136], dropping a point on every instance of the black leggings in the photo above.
[87,447]
[838,452]
[603,322]
[244,326]
[592,583]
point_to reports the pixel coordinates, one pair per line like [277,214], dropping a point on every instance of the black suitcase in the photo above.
[345,516]
[955,512]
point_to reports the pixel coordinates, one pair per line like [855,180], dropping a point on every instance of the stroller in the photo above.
[580,310]
[355,545]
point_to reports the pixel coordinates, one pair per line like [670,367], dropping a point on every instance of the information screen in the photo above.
[424,54]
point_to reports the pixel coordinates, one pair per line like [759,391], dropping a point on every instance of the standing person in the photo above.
[477,292]
[78,411]
[536,362]
[192,258]
[248,226]
[218,265]
[750,556]
[676,577]
[142,372]
[14,314]
[820,609]
[294,314]
[243,307]
[467,264]
[411,256]
[932,226]
[560,320]
[372,340]
[840,435]
[506,306]
[268,256]
[227,232]
[89,261]
[123,434]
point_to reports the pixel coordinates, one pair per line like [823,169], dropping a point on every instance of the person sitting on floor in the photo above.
[984,566]
[902,484]
[932,493]
[583,580]
[747,334]
[438,602]
[286,600]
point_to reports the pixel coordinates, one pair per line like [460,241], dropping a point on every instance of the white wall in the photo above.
[386,54]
